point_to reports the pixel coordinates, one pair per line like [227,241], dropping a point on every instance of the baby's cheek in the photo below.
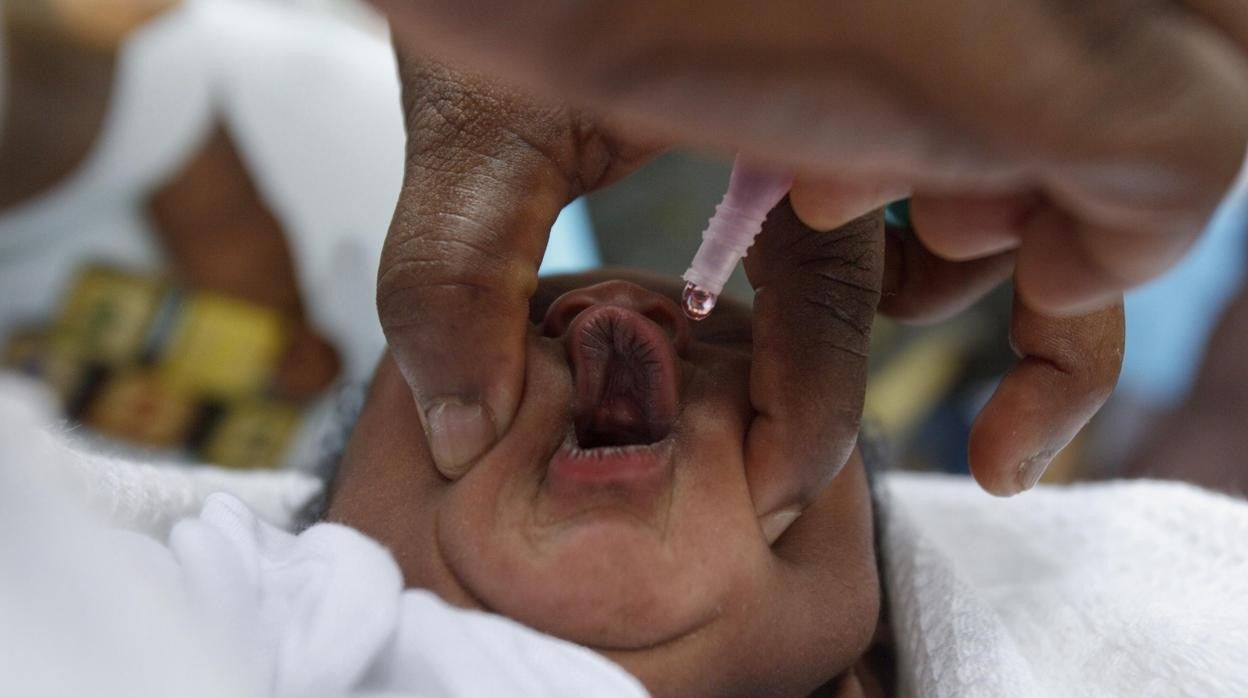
[715,413]
[712,493]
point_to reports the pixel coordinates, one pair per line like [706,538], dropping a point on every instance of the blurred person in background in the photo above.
[193,141]
[1200,398]
[237,162]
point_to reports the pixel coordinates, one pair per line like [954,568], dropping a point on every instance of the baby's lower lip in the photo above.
[631,477]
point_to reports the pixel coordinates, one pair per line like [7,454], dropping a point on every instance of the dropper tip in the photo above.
[697,302]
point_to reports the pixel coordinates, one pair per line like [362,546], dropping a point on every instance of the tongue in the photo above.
[616,421]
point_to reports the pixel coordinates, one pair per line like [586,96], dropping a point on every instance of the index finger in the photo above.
[816,295]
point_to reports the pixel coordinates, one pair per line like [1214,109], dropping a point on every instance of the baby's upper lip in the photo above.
[627,376]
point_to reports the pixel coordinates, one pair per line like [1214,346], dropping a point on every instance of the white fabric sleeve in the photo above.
[232,605]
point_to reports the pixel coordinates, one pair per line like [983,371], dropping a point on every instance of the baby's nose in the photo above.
[658,308]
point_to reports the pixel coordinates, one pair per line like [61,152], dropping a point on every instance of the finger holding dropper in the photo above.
[752,193]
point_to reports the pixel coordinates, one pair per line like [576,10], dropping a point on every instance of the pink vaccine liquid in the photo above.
[697,302]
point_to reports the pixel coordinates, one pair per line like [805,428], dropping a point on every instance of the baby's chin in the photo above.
[605,582]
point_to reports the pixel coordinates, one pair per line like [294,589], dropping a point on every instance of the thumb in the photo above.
[461,257]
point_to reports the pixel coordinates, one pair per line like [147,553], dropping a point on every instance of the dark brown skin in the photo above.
[692,598]
[488,170]
[1098,126]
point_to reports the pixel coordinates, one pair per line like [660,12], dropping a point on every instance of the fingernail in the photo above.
[1031,469]
[459,433]
[774,525]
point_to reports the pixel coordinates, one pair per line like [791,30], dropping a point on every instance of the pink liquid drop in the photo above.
[697,302]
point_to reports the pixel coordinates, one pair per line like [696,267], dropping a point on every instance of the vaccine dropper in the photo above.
[752,193]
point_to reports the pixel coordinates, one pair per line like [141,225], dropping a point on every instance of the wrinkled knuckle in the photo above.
[466,119]
[855,249]
[844,293]
[1088,351]
[842,307]
[432,274]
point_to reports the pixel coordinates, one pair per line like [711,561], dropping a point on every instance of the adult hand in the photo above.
[1080,147]
[1096,137]
[1068,365]
[487,173]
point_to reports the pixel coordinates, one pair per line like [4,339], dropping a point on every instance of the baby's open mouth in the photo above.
[617,453]
[627,378]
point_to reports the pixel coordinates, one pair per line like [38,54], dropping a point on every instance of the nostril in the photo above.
[657,308]
[666,314]
[562,312]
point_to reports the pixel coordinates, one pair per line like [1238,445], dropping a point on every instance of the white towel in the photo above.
[1114,589]
[230,605]
[143,497]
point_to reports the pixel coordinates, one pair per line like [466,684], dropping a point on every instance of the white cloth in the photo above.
[324,613]
[231,605]
[1116,589]
[145,497]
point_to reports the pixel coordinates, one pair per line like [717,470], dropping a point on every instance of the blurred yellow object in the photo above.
[905,391]
[99,24]
[107,314]
[139,359]
[22,350]
[251,435]
[138,406]
[29,352]
[223,347]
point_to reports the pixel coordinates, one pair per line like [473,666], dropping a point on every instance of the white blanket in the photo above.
[1116,589]
[93,604]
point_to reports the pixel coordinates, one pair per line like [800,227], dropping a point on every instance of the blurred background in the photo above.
[194,195]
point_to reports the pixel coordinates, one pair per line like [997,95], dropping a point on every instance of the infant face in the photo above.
[615,512]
